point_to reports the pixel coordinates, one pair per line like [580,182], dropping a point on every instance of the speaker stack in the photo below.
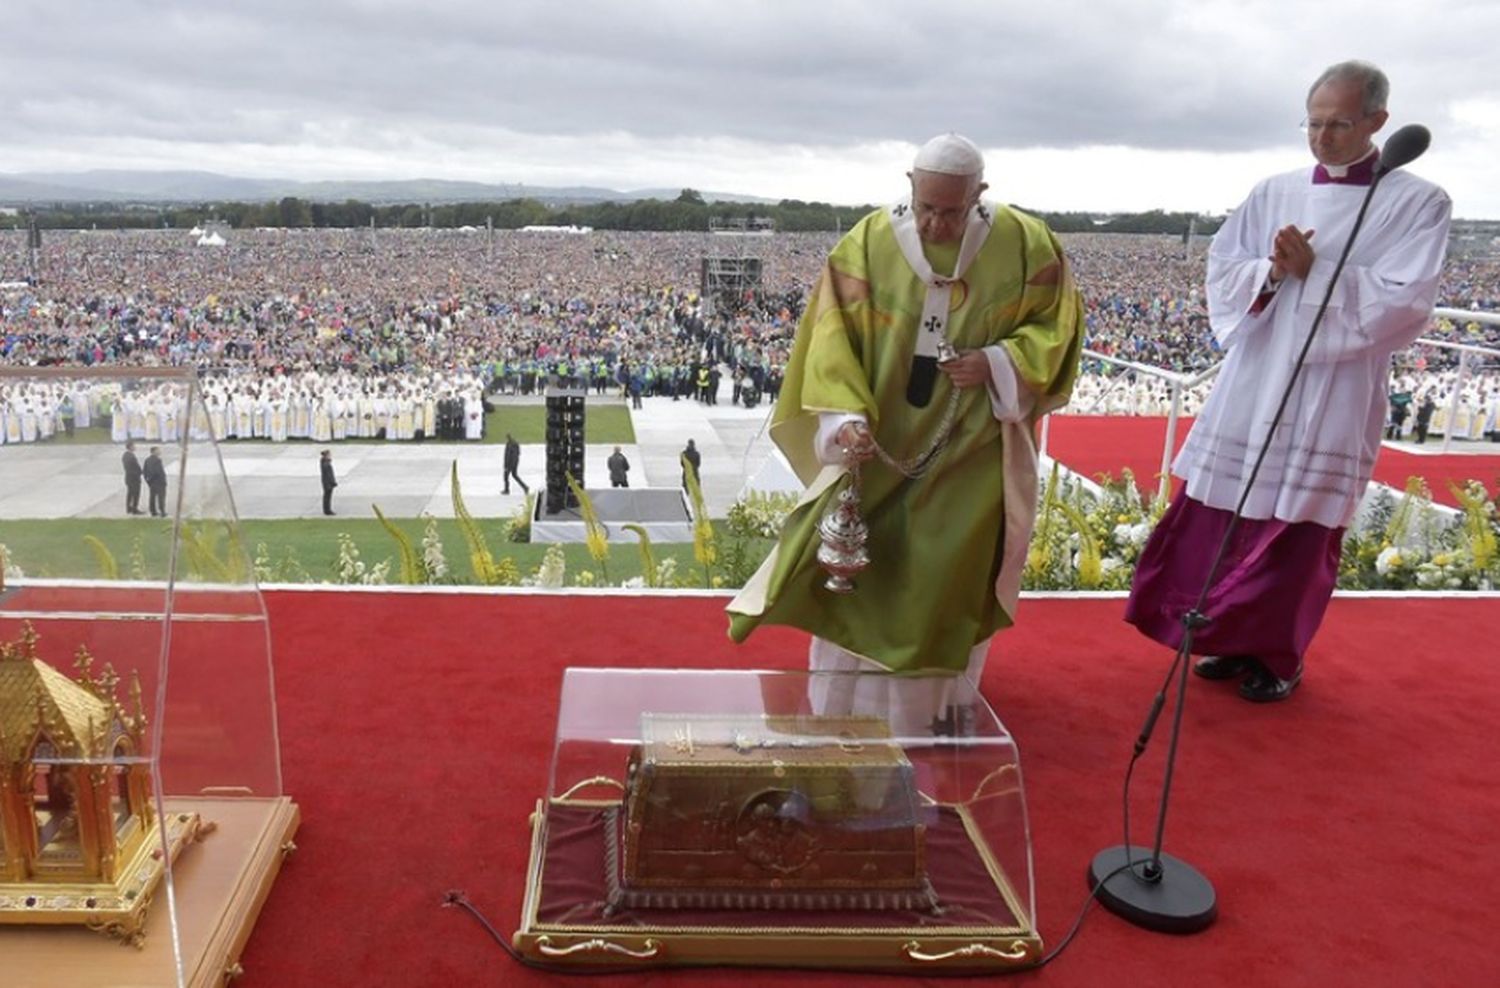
[564,446]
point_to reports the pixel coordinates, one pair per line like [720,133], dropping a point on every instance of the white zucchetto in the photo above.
[950,154]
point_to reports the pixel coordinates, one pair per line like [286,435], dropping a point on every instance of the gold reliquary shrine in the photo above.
[81,842]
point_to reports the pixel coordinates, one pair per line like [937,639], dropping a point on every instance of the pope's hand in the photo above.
[969,369]
[855,440]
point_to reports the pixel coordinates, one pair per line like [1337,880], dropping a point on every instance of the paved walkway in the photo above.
[280,480]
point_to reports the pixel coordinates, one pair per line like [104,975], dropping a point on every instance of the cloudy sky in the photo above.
[1176,104]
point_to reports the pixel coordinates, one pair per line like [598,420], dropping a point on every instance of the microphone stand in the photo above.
[1143,885]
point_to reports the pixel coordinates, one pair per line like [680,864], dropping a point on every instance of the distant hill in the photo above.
[185,187]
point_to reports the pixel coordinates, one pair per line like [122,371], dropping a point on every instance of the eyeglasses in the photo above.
[1338,125]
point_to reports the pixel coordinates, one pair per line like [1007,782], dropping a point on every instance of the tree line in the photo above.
[689,212]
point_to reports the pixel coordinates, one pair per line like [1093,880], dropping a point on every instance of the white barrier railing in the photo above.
[1179,383]
[1465,350]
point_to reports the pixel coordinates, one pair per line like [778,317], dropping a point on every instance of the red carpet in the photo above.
[1350,832]
[1093,445]
[1395,467]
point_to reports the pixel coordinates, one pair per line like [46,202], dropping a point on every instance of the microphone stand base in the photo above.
[1180,901]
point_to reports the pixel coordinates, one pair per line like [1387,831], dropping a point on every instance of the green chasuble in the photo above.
[946,550]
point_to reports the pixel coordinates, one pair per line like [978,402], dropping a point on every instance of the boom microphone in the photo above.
[1403,147]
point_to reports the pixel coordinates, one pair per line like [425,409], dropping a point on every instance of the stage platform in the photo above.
[661,511]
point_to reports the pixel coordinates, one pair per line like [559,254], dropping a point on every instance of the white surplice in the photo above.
[1324,451]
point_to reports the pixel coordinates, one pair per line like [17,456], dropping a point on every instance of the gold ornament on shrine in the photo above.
[81,842]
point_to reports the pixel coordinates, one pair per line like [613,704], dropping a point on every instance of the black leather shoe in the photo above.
[1264,686]
[1224,666]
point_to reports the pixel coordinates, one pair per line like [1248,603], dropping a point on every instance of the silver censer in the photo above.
[843,533]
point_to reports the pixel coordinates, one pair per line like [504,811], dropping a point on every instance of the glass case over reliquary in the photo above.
[734,817]
[140,775]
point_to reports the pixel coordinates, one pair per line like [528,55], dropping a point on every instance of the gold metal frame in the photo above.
[117,909]
[952,948]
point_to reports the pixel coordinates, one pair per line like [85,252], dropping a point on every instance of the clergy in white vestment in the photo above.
[280,409]
[366,416]
[150,418]
[301,426]
[405,422]
[322,417]
[243,412]
[429,414]
[83,410]
[169,412]
[119,419]
[263,409]
[337,411]
[473,415]
[218,417]
[1269,268]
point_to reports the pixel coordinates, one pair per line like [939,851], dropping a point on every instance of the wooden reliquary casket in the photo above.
[799,812]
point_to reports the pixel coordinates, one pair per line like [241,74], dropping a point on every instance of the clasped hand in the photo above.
[1291,253]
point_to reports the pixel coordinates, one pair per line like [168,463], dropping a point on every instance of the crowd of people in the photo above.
[400,334]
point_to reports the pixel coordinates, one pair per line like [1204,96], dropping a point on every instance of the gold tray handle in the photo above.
[650,949]
[1019,951]
[598,780]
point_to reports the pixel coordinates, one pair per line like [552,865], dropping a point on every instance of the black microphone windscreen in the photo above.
[1403,147]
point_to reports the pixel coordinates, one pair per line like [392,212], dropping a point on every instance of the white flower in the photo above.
[432,551]
[12,571]
[550,573]
[1389,559]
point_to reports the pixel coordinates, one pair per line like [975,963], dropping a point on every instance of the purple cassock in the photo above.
[1267,599]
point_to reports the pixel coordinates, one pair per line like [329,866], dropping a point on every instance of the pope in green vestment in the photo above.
[947,548]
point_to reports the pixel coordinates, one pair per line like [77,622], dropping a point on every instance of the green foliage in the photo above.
[1083,541]
[481,561]
[413,570]
[648,558]
[108,570]
[201,551]
[704,549]
[595,539]
[138,569]
[287,569]
[519,529]
[738,562]
[760,514]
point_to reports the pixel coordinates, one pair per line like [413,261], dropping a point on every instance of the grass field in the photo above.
[307,550]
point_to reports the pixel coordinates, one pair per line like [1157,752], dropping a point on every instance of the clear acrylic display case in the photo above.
[851,820]
[140,772]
